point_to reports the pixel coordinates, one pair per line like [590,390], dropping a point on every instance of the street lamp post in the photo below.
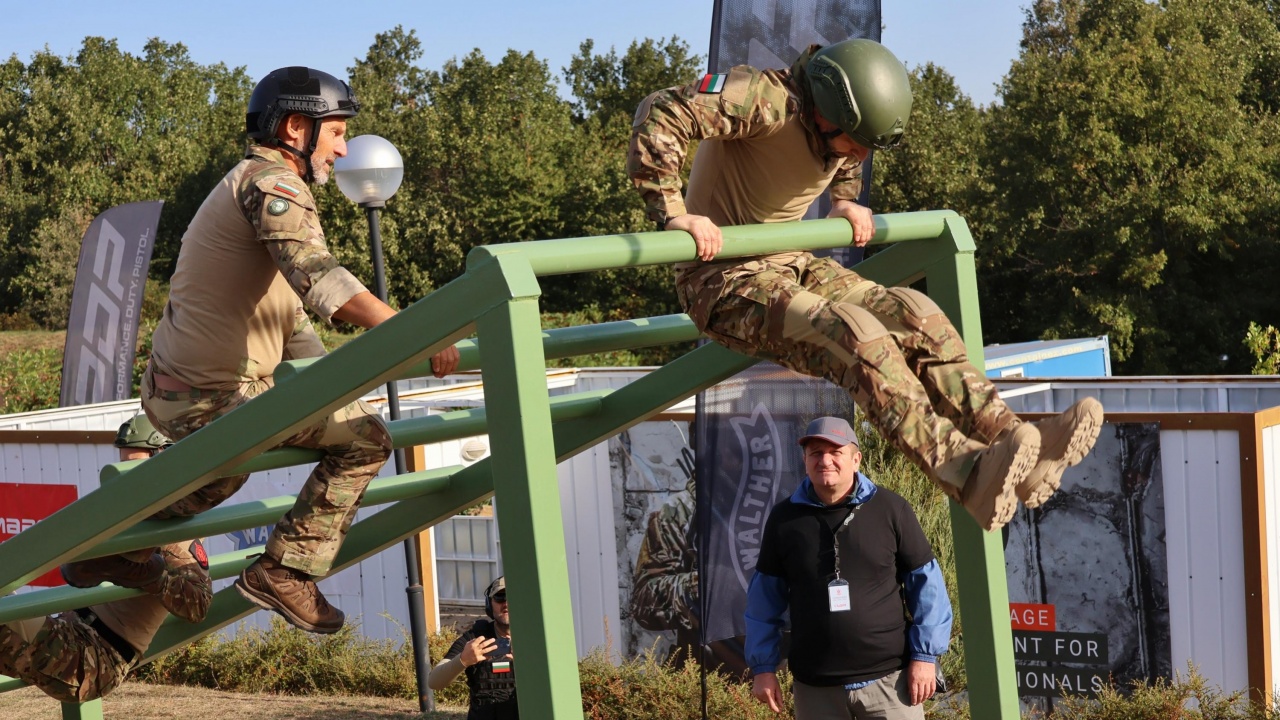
[369,175]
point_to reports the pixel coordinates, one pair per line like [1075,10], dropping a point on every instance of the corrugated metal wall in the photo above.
[1205,553]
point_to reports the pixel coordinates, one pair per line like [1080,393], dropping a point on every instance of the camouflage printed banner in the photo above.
[97,364]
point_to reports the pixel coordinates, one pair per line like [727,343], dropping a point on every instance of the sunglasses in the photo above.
[500,597]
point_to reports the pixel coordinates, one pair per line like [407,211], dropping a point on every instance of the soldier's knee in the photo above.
[923,316]
[917,305]
[863,326]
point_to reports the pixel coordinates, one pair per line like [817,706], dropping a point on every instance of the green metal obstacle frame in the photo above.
[497,301]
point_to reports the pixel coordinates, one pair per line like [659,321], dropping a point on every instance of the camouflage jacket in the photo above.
[750,104]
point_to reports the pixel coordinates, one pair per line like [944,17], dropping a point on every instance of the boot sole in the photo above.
[1043,484]
[996,507]
[267,602]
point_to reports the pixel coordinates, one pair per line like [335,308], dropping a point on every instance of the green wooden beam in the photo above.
[524,478]
[980,574]
[558,257]
[564,342]
[381,354]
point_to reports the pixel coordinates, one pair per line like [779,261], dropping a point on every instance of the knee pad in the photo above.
[918,305]
[924,316]
[864,325]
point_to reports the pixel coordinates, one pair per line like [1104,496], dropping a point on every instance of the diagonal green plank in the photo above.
[336,379]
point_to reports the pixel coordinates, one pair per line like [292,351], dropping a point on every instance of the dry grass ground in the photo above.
[12,340]
[140,701]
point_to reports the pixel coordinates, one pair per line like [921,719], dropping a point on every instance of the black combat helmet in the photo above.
[859,86]
[301,90]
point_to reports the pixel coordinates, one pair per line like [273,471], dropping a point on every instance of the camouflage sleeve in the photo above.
[304,343]
[185,589]
[665,585]
[283,213]
[847,184]
[750,102]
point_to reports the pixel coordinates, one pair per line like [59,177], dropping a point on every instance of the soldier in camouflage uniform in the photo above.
[86,653]
[773,140]
[253,255]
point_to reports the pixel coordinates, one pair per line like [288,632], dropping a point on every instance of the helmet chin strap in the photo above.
[307,175]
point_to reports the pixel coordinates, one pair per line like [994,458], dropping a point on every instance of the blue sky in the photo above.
[975,40]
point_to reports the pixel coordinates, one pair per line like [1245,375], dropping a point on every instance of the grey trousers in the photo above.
[884,699]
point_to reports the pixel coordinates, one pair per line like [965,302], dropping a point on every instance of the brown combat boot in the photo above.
[272,586]
[121,570]
[1065,439]
[988,493]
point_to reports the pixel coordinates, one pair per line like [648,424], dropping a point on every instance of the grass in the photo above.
[31,340]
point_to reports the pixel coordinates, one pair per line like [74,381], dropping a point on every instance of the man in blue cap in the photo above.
[847,558]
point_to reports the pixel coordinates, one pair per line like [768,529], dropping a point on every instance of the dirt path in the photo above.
[139,701]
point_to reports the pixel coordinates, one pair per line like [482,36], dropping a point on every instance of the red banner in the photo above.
[1033,616]
[23,505]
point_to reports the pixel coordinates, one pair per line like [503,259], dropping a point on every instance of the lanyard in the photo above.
[835,535]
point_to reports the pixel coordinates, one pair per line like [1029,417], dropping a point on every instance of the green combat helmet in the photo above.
[139,433]
[860,86]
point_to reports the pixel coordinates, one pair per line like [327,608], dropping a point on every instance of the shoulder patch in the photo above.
[279,206]
[287,189]
[712,83]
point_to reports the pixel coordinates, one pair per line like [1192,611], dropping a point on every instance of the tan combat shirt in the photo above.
[252,250]
[184,587]
[763,161]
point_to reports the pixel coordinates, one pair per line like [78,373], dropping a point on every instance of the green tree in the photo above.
[938,165]
[1133,160]
[81,134]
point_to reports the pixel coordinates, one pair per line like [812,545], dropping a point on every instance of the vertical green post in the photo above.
[524,480]
[91,710]
[980,575]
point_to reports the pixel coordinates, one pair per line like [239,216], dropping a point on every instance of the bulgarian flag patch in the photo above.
[712,83]
[502,666]
[287,189]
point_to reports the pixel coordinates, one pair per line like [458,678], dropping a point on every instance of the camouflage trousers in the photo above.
[355,443]
[63,656]
[892,349]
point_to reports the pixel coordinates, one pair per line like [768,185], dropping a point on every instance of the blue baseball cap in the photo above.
[832,429]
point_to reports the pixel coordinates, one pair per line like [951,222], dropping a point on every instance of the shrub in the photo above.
[30,380]
[285,660]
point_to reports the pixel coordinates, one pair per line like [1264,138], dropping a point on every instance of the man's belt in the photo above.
[169,383]
[122,646]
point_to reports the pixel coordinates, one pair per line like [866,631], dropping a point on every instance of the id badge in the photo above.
[838,595]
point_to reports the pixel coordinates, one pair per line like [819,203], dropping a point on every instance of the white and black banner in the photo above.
[97,364]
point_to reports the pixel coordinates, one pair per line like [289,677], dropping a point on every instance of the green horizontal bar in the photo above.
[561,342]
[574,255]
[404,433]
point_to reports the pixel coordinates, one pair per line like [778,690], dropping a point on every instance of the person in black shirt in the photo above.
[851,563]
[484,653]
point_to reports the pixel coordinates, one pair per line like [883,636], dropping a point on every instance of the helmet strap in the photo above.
[304,156]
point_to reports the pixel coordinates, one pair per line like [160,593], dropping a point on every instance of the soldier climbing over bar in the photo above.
[773,141]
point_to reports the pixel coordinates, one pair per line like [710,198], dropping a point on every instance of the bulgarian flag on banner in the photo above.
[712,83]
